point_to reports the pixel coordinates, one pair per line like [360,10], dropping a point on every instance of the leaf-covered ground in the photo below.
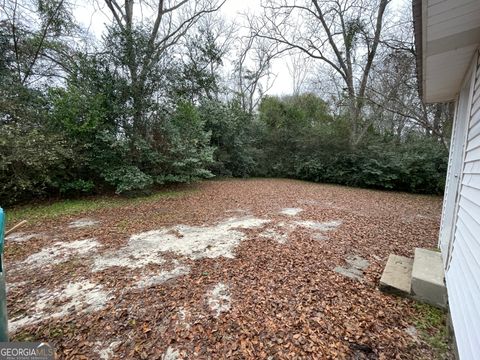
[237,269]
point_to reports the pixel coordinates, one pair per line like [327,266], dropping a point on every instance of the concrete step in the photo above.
[428,279]
[397,275]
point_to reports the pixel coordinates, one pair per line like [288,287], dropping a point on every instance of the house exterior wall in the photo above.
[455,166]
[461,218]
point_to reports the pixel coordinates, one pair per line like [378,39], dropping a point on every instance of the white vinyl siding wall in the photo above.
[463,269]
[455,167]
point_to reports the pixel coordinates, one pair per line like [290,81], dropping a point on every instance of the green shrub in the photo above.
[233,134]
[302,140]
[32,162]
[127,179]
[186,154]
[78,186]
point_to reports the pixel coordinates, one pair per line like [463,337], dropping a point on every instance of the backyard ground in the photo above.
[237,269]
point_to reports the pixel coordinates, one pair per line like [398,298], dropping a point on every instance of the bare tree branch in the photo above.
[42,40]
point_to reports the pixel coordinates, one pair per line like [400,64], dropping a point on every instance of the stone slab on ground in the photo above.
[354,268]
[397,275]
[428,278]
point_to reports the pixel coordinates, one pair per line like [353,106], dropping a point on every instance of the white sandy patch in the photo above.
[132,256]
[320,226]
[81,223]
[200,242]
[282,231]
[194,242]
[22,237]
[291,211]
[183,318]
[413,332]
[106,353]
[319,237]
[79,297]
[61,252]
[171,354]
[219,299]
[13,286]
[273,234]
[152,280]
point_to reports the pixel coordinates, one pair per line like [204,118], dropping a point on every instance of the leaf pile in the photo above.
[287,302]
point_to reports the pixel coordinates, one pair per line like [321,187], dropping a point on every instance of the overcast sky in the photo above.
[91,17]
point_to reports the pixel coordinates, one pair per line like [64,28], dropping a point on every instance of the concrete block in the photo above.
[397,275]
[428,278]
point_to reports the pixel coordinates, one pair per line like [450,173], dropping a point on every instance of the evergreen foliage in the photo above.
[107,123]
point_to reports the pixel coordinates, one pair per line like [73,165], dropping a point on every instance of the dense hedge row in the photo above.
[301,140]
[414,167]
[75,147]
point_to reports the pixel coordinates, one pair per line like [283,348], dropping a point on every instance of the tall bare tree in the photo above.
[298,68]
[393,93]
[343,34]
[253,74]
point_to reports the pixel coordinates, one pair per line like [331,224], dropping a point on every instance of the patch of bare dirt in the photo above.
[234,270]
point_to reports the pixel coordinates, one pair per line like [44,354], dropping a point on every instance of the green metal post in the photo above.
[3,295]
